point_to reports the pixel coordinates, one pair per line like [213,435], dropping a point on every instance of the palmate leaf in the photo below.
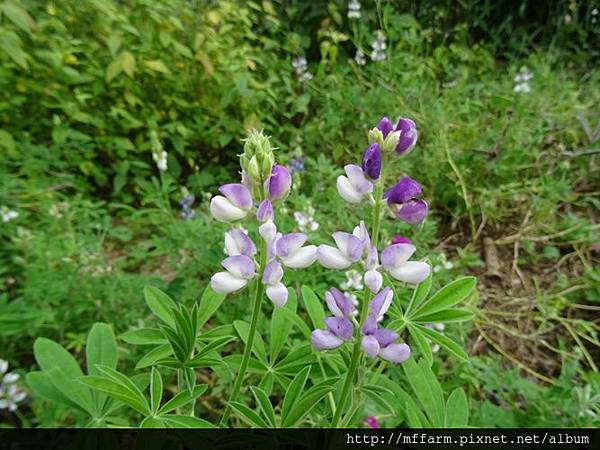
[420,342]
[457,410]
[157,353]
[445,298]
[308,400]
[281,326]
[297,358]
[263,402]
[427,390]
[212,346]
[144,336]
[420,294]
[293,392]
[183,398]
[42,384]
[117,391]
[258,347]
[209,303]
[249,416]
[445,342]
[314,307]
[101,348]
[160,304]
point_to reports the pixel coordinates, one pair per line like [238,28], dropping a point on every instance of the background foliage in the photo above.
[90,89]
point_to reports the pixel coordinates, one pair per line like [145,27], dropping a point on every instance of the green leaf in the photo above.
[249,416]
[209,303]
[293,392]
[18,16]
[258,347]
[153,422]
[263,402]
[307,401]
[445,342]
[183,398]
[380,394]
[128,63]
[117,391]
[144,336]
[177,421]
[421,343]
[314,307]
[154,355]
[448,296]
[49,354]
[156,389]
[213,346]
[41,383]
[299,357]
[281,326]
[113,70]
[446,316]
[420,294]
[101,348]
[7,142]
[157,66]
[457,410]
[412,416]
[294,319]
[11,44]
[427,392]
[160,304]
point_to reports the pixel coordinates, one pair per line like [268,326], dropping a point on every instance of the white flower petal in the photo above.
[332,258]
[347,191]
[225,211]
[301,258]
[278,294]
[411,272]
[225,283]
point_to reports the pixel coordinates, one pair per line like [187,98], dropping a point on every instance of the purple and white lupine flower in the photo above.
[339,327]
[405,131]
[239,270]
[186,203]
[382,342]
[354,186]
[379,45]
[234,204]
[349,249]
[403,199]
[394,260]
[276,290]
[237,242]
[292,252]
[279,183]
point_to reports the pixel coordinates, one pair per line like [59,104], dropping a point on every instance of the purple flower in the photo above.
[297,164]
[394,259]
[279,183]
[264,211]
[385,126]
[371,422]
[237,242]
[402,199]
[354,186]
[239,270]
[371,163]
[349,250]
[339,329]
[400,240]
[408,135]
[276,290]
[233,205]
[338,303]
[381,302]
[289,248]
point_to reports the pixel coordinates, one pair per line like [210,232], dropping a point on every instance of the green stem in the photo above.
[356,351]
[258,296]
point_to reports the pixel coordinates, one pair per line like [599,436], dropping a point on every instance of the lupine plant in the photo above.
[342,362]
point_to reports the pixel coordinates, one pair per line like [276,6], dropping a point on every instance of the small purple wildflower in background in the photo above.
[354,9]
[371,422]
[297,164]
[306,220]
[186,203]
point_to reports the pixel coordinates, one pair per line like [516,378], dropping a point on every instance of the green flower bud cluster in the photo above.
[257,160]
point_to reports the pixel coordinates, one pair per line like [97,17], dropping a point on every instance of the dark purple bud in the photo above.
[371,163]
[386,126]
[400,240]
[340,326]
[279,183]
[413,212]
[408,135]
[371,422]
[405,190]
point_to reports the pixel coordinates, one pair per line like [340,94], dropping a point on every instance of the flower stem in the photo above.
[356,351]
[258,296]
